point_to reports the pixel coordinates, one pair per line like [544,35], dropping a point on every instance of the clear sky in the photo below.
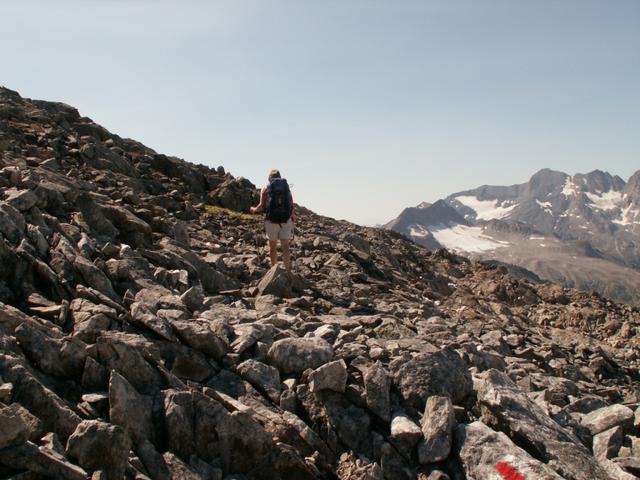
[366,106]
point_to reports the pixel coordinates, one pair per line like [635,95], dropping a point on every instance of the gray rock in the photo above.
[12,223]
[60,357]
[91,319]
[330,376]
[405,433]
[21,199]
[15,430]
[616,472]
[295,355]
[100,446]
[55,413]
[40,461]
[94,277]
[608,417]
[607,444]
[247,335]
[277,282]
[132,230]
[427,374]
[438,422]
[507,407]
[351,423]
[377,385]
[263,376]
[485,453]
[193,298]
[200,336]
[35,426]
[121,354]
[130,410]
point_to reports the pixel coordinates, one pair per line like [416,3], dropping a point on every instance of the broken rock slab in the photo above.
[100,446]
[438,422]
[278,282]
[377,386]
[608,417]
[14,430]
[330,376]
[42,461]
[507,408]
[262,376]
[485,453]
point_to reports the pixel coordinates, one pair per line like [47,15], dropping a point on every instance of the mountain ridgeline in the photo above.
[582,231]
[144,334]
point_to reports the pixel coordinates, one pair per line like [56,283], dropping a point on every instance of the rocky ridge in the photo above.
[143,335]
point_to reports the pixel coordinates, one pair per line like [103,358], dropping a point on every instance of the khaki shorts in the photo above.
[279,231]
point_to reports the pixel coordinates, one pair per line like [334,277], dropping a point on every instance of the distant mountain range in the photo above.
[582,230]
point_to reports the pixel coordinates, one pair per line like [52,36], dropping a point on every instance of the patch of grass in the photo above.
[217,212]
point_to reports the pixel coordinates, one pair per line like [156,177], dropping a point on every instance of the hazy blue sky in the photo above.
[366,106]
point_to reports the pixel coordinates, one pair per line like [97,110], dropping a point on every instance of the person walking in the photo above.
[276,202]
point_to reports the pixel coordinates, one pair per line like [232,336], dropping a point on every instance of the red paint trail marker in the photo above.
[507,472]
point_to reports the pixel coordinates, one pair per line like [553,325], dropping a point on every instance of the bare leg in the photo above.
[286,254]
[273,251]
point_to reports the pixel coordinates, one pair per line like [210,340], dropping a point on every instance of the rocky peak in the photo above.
[144,334]
[546,181]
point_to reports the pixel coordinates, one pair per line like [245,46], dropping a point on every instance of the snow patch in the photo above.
[418,231]
[546,206]
[627,216]
[486,209]
[569,188]
[462,238]
[605,201]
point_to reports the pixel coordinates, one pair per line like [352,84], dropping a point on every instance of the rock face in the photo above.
[144,334]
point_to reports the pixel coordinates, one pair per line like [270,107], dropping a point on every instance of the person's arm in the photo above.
[263,200]
[293,208]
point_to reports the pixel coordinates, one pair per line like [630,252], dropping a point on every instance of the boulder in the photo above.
[606,445]
[438,422]
[427,374]
[15,430]
[121,353]
[130,410]
[262,376]
[405,433]
[377,386]
[295,355]
[60,357]
[277,282]
[132,230]
[485,453]
[41,462]
[55,413]
[608,417]
[199,335]
[510,409]
[100,446]
[330,376]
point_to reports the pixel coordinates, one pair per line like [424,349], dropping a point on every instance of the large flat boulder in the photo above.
[485,453]
[427,374]
[295,355]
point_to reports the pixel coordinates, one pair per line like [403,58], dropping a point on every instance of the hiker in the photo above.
[276,202]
